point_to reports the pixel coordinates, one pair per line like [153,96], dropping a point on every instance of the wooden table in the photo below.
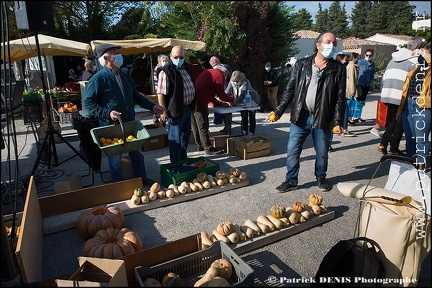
[233,109]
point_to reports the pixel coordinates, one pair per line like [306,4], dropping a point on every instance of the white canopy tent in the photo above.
[422,25]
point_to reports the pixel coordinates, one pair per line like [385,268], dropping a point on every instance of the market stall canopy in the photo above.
[24,48]
[422,25]
[147,45]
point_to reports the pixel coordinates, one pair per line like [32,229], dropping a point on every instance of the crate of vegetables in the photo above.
[118,139]
[186,271]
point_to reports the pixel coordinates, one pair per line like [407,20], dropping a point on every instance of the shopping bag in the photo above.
[400,228]
[381,114]
[355,108]
[404,178]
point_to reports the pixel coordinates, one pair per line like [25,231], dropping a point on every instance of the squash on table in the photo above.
[277,211]
[225,228]
[100,217]
[299,206]
[315,199]
[210,274]
[112,243]
[224,267]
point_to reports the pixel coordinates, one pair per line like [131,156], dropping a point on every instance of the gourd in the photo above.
[155,187]
[112,243]
[138,192]
[211,179]
[293,216]
[315,199]
[201,177]
[210,274]
[193,187]
[277,211]
[242,176]
[264,228]
[233,237]
[276,222]
[316,209]
[298,206]
[249,232]
[170,193]
[207,184]
[198,184]
[242,235]
[171,279]
[234,171]
[225,228]
[220,237]
[220,174]
[206,240]
[264,220]
[100,217]
[182,189]
[251,224]
[307,214]
[145,199]
[224,267]
[135,199]
[285,221]
[175,188]
[161,194]
[153,195]
[218,282]
[323,208]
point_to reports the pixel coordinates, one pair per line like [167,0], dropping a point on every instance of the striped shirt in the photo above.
[188,86]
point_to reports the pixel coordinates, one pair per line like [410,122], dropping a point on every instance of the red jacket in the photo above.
[210,84]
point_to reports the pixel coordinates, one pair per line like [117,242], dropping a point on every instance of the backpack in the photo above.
[349,263]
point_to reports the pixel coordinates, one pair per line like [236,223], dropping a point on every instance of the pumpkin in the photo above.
[201,177]
[225,228]
[224,267]
[234,171]
[173,280]
[277,211]
[112,243]
[315,199]
[299,206]
[100,217]
[138,192]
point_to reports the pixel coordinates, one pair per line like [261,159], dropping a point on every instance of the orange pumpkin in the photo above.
[299,206]
[225,228]
[315,199]
[98,218]
[112,243]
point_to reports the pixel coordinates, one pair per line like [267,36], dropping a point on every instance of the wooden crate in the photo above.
[252,147]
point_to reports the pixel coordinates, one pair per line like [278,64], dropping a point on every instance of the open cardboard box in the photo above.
[29,250]
[97,272]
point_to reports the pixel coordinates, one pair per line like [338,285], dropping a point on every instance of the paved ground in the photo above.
[355,159]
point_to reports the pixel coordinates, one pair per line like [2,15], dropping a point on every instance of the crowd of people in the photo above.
[320,92]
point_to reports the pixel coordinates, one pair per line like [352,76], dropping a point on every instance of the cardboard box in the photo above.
[97,272]
[252,147]
[158,138]
[73,182]
[219,142]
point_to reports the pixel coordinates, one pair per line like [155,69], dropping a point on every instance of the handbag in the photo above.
[381,114]
[355,108]
[398,225]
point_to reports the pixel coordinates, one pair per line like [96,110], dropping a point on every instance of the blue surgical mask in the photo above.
[118,60]
[178,62]
[328,50]
[267,68]
[164,63]
[94,68]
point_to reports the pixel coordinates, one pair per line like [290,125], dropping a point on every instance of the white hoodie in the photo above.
[395,74]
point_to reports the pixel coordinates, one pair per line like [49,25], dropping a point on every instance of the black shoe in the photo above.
[285,187]
[331,149]
[322,184]
[198,149]
[148,182]
[223,131]
[397,152]
[213,151]
[382,149]
[351,123]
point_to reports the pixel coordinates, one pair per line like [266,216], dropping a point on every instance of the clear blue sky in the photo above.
[312,6]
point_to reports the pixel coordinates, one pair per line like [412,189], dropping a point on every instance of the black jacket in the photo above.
[330,101]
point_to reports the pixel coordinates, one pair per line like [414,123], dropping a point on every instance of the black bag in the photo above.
[351,263]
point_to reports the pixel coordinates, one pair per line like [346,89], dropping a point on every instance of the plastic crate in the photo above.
[191,267]
[170,176]
[135,128]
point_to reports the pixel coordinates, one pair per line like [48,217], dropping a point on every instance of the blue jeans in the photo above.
[179,132]
[297,136]
[114,163]
[417,126]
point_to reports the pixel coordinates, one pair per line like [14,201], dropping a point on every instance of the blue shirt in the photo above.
[366,72]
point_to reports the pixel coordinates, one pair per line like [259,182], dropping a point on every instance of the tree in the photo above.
[302,20]
[337,20]
[321,20]
[359,19]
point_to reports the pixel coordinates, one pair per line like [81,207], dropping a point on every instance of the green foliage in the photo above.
[360,18]
[380,60]
[302,20]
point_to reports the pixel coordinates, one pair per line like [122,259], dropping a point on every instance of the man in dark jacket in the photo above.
[111,94]
[316,91]
[271,83]
[176,93]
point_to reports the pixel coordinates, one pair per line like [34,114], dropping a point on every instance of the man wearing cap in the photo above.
[111,94]
[176,92]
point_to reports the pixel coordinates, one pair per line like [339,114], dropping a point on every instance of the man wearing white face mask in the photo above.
[111,94]
[176,93]
[316,93]
[366,76]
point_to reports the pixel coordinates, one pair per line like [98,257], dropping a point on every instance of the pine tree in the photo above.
[359,19]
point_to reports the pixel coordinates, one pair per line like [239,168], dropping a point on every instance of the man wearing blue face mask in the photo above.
[366,76]
[112,94]
[176,93]
[316,94]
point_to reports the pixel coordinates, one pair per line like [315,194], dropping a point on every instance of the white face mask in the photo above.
[328,50]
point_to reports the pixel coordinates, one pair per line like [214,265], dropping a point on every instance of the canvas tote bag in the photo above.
[400,227]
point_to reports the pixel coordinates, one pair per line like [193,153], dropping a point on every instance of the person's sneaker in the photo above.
[322,184]
[382,149]
[285,187]
[376,132]
[213,151]
[397,152]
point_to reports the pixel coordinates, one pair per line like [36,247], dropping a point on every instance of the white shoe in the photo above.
[376,132]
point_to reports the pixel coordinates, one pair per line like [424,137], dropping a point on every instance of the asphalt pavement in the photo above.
[296,258]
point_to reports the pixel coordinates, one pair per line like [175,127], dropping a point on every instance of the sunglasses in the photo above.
[368,55]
